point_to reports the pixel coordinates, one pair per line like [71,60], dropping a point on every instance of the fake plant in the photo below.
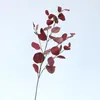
[45,35]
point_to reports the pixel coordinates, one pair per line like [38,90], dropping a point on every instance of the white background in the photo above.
[76,78]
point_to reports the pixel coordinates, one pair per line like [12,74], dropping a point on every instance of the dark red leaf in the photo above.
[46,12]
[64,36]
[50,69]
[38,57]
[59,40]
[55,19]
[55,50]
[55,29]
[51,16]
[35,45]
[60,56]
[42,35]
[47,28]
[49,22]
[51,61]
[35,68]
[42,31]
[59,9]
[61,16]
[66,48]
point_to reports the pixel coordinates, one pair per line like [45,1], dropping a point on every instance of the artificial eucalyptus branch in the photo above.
[45,35]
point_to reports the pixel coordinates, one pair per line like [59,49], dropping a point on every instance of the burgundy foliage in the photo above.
[49,22]
[42,35]
[51,61]
[55,29]
[59,40]
[51,16]
[61,16]
[38,57]
[46,34]
[64,36]
[66,47]
[36,67]
[50,69]
[55,50]
[46,12]
[59,9]
[35,45]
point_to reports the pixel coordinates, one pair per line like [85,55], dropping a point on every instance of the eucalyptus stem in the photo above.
[41,71]
[36,87]
[38,81]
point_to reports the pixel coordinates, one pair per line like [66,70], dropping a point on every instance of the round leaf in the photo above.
[38,57]
[55,50]
[35,45]
[55,29]
[49,22]
[50,69]
[64,36]
[61,16]
[51,16]
[51,61]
